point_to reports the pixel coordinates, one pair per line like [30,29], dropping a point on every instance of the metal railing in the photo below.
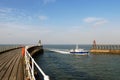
[8,47]
[30,67]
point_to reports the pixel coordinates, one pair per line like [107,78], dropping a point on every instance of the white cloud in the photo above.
[48,1]
[5,13]
[91,19]
[95,21]
[42,18]
[101,22]
[5,10]
[15,15]
[19,16]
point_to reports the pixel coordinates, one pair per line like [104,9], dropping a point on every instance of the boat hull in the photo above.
[79,53]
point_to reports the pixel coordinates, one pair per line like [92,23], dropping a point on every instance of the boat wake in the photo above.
[66,51]
[60,51]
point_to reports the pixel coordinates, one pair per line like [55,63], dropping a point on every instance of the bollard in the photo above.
[23,51]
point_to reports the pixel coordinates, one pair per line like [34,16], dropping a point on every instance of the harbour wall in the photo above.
[110,49]
[105,51]
[34,50]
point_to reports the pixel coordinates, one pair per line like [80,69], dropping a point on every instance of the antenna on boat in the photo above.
[77,46]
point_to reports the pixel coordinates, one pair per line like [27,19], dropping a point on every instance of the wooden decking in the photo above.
[11,65]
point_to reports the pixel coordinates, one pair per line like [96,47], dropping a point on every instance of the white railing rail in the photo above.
[30,68]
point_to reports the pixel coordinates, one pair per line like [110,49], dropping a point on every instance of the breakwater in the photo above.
[34,50]
[99,48]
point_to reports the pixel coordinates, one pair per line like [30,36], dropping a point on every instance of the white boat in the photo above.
[79,51]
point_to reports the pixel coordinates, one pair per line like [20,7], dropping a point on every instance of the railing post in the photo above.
[46,77]
[27,58]
[33,69]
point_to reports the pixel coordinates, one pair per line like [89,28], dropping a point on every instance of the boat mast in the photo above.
[76,46]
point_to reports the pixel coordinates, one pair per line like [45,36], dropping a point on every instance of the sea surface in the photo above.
[75,67]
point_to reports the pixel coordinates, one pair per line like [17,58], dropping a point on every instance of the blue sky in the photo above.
[59,21]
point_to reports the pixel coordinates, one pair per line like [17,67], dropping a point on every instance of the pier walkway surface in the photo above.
[11,65]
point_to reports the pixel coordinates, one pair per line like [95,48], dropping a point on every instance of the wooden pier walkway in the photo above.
[11,65]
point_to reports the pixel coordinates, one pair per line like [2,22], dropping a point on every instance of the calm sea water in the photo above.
[73,67]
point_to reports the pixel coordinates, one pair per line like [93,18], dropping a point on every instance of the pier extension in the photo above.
[102,48]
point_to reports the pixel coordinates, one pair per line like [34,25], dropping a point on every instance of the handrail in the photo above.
[4,48]
[30,68]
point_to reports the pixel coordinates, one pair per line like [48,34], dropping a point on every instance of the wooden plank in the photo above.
[3,71]
[4,55]
[12,59]
[20,75]
[10,68]
[6,60]
[11,65]
[14,71]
